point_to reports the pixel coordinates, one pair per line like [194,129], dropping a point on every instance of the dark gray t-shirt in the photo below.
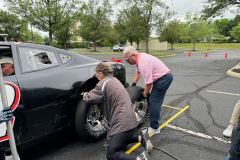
[117,101]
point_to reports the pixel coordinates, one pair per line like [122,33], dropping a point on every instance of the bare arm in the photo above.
[147,89]
[136,77]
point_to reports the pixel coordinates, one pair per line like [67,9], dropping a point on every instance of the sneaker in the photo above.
[225,158]
[228,131]
[152,131]
[145,140]
[143,156]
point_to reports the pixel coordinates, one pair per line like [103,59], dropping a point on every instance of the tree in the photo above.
[112,37]
[236,32]
[129,25]
[12,25]
[209,32]
[46,15]
[172,32]
[153,14]
[94,22]
[198,28]
[222,26]
[63,34]
[217,7]
[29,36]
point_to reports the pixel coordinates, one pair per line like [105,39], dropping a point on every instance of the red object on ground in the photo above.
[116,60]
[206,54]
[226,55]
[189,54]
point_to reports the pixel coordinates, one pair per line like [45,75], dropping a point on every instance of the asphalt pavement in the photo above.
[200,83]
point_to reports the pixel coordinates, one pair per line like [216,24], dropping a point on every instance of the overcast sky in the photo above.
[194,6]
[179,6]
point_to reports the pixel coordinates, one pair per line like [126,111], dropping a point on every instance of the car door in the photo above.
[41,91]
[8,50]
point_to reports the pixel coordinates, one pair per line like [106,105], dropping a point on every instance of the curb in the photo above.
[234,72]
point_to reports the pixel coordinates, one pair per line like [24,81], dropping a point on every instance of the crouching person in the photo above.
[120,118]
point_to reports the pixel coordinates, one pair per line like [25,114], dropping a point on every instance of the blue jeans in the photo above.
[156,98]
[235,146]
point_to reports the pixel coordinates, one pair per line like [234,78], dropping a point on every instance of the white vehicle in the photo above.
[118,47]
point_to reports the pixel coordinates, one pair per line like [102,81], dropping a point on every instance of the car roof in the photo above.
[25,44]
[47,48]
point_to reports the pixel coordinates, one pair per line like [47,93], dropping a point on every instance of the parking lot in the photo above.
[197,109]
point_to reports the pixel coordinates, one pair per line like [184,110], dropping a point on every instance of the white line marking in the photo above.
[171,107]
[198,134]
[232,94]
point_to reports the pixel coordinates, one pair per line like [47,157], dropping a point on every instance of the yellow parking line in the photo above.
[171,107]
[163,125]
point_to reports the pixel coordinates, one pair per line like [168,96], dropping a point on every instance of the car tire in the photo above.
[88,121]
[140,104]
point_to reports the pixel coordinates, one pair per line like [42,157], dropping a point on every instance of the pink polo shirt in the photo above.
[151,68]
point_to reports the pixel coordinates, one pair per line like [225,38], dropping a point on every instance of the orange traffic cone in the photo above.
[226,55]
[206,54]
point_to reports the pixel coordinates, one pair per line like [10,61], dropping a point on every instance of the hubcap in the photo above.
[140,108]
[94,118]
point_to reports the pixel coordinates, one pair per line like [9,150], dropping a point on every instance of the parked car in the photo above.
[118,47]
[51,81]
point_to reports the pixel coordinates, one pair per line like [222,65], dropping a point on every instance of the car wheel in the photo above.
[140,104]
[88,121]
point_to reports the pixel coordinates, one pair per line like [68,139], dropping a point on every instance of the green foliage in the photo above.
[203,46]
[236,32]
[198,29]
[12,25]
[111,37]
[94,21]
[63,34]
[77,45]
[48,15]
[172,32]
[217,7]
[34,37]
[152,13]
[223,26]
[129,25]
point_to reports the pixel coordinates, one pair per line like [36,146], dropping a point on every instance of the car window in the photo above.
[6,61]
[33,59]
[65,58]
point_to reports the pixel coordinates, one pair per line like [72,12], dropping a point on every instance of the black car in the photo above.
[51,81]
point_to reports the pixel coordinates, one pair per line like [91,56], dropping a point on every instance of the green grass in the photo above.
[163,53]
[107,50]
[178,48]
[206,46]
[100,50]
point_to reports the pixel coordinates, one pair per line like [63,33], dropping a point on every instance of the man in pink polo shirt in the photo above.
[157,78]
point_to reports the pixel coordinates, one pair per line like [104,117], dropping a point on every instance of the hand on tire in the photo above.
[140,96]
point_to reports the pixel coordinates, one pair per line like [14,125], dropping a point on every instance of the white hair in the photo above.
[6,60]
[130,50]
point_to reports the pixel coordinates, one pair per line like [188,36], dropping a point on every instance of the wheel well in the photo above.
[89,84]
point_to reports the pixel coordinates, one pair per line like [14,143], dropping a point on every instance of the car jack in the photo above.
[149,147]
